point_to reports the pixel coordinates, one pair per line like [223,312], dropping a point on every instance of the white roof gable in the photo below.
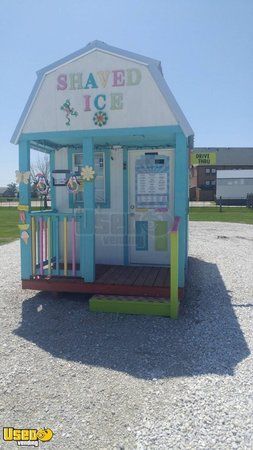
[128,88]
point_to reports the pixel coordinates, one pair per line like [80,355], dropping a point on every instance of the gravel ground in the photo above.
[104,381]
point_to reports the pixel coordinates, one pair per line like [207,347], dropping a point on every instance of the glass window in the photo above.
[99,163]
[213,170]
[207,183]
[207,170]
[213,182]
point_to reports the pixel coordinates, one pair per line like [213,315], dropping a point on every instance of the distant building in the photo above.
[204,176]
[3,191]
[234,185]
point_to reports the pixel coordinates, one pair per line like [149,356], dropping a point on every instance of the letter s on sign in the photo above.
[61,82]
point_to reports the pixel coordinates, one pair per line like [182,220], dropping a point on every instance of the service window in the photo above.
[101,196]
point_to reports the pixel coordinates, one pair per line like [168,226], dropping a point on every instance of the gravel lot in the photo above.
[104,381]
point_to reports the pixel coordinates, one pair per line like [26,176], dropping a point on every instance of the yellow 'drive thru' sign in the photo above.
[203,159]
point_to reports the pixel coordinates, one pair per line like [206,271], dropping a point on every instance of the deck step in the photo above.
[130,305]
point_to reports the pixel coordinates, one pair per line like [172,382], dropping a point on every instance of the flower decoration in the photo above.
[69,111]
[88,173]
[100,118]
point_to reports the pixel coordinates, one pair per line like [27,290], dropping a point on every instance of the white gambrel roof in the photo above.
[153,65]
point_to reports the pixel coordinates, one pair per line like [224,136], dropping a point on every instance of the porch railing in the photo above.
[174,261]
[54,243]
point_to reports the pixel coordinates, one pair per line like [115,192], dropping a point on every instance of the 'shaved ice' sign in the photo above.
[100,80]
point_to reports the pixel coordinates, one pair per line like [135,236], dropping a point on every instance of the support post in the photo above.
[174,302]
[25,199]
[52,187]
[88,231]
[181,205]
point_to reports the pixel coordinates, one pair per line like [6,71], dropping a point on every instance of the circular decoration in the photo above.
[73,184]
[42,184]
[88,173]
[100,118]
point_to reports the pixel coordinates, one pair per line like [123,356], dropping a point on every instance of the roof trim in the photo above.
[153,65]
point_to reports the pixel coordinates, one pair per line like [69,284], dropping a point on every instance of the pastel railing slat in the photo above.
[65,246]
[73,243]
[49,244]
[56,223]
[38,241]
[45,238]
[33,224]
[41,246]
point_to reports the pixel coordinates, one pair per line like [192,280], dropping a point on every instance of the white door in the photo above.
[151,210]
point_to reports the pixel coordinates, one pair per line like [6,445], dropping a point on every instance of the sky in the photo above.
[205,46]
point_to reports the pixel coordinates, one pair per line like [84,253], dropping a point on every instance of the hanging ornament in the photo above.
[22,216]
[73,184]
[22,177]
[42,184]
[100,118]
[87,173]
[23,226]
[25,236]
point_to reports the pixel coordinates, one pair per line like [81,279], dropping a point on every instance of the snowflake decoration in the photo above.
[100,118]
[88,173]
[69,111]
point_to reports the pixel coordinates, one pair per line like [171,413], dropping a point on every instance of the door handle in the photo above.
[131,206]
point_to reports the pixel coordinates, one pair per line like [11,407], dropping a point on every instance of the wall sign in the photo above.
[60,177]
[203,159]
[152,181]
[95,82]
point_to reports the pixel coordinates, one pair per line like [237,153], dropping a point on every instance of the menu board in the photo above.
[152,181]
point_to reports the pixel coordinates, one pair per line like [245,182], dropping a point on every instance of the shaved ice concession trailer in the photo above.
[118,146]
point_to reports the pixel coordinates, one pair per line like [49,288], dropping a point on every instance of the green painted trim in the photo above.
[174,274]
[161,235]
[126,306]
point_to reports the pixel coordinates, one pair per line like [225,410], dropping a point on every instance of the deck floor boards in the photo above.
[112,280]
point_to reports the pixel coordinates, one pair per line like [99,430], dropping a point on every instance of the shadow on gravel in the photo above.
[205,339]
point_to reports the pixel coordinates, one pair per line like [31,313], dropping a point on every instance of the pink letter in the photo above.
[86,102]
[118,78]
[62,82]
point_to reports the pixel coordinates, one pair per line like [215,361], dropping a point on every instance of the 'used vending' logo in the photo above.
[27,436]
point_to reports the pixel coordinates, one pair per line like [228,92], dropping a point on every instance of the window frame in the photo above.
[106,155]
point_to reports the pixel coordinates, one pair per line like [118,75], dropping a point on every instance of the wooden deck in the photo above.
[110,279]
